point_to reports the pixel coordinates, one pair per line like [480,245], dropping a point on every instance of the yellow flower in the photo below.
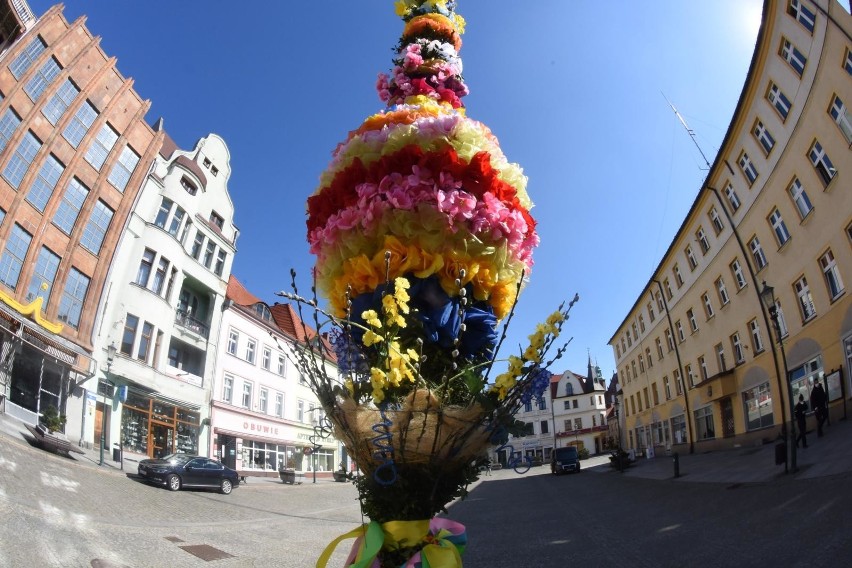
[350,386]
[537,339]
[378,395]
[378,378]
[516,365]
[371,338]
[532,354]
[555,317]
[372,319]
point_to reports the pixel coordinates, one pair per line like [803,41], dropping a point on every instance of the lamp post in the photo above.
[110,357]
[767,296]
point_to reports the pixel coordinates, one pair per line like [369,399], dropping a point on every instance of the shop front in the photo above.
[154,426]
[261,446]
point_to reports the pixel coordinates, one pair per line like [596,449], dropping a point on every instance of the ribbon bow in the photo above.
[444,539]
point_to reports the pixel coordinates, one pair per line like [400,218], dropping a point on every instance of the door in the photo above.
[161,439]
[727,418]
[99,422]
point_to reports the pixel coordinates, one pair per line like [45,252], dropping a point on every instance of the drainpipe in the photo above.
[778,373]
[680,370]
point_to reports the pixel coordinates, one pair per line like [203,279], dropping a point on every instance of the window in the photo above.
[545,428]
[659,345]
[69,208]
[59,102]
[678,276]
[739,277]
[641,363]
[680,336]
[840,113]
[802,15]
[569,389]
[123,168]
[701,237]
[690,257]
[246,401]
[220,262]
[763,136]
[822,164]
[96,228]
[782,235]
[791,54]
[45,75]
[832,275]
[279,405]
[757,252]
[578,424]
[737,346]
[281,365]
[264,399]
[723,291]
[704,429]
[251,347]
[160,276]
[702,368]
[208,253]
[14,255]
[233,340]
[9,122]
[228,389]
[197,245]
[170,217]
[45,182]
[747,168]
[188,185]
[733,198]
[667,387]
[708,305]
[266,358]
[45,272]
[720,357]
[847,62]
[669,339]
[635,332]
[668,288]
[217,220]
[778,100]
[300,411]
[171,284]
[542,403]
[27,57]
[756,339]
[128,338]
[566,405]
[660,305]
[806,302]
[101,146]
[641,323]
[678,383]
[718,225]
[71,305]
[693,324]
[145,342]
[800,198]
[648,357]
[80,124]
[757,407]
[690,376]
[528,406]
[20,161]
[782,323]
[145,266]
[651,314]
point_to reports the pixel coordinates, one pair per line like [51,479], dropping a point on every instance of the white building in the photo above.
[160,316]
[579,410]
[263,414]
[538,441]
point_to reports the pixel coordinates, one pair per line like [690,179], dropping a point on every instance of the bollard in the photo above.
[676,460]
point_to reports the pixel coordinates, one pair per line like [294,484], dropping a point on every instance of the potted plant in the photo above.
[52,420]
[288,473]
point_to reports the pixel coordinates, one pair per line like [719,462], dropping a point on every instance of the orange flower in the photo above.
[432,24]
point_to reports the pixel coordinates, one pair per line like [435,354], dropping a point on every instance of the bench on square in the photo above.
[49,441]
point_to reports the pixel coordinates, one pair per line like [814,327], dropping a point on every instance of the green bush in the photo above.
[583,453]
[53,421]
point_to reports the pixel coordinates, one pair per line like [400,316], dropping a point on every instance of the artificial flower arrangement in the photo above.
[423,238]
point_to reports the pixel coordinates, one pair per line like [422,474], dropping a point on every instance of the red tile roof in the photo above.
[238,293]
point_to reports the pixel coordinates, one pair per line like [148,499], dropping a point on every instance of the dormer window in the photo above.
[262,311]
[214,170]
[217,220]
[188,185]
[207,163]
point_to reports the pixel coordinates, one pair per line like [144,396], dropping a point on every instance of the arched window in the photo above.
[569,389]
[262,311]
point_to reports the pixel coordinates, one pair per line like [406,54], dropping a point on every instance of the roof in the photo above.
[192,166]
[238,294]
[288,321]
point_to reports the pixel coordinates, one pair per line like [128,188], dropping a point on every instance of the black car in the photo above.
[565,460]
[185,470]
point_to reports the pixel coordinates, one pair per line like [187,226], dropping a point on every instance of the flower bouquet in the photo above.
[423,237]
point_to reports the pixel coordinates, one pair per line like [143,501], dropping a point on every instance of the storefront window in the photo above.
[802,379]
[156,428]
[757,404]
[134,432]
[679,429]
[323,459]
[704,428]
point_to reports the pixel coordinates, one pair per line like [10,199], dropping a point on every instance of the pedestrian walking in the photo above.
[801,411]
[487,466]
[818,405]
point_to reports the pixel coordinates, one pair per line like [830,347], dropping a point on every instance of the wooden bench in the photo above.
[49,441]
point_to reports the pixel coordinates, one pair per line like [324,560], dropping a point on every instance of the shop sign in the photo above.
[260,428]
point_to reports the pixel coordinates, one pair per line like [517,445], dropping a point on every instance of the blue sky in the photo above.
[574,90]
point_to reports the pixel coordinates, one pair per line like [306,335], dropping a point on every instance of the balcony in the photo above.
[186,321]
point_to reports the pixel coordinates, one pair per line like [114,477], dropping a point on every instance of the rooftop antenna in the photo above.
[689,131]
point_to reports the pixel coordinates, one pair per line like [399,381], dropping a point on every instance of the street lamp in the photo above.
[110,357]
[767,296]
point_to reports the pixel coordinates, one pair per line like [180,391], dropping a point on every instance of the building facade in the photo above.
[537,444]
[161,314]
[699,359]
[74,149]
[579,411]
[264,417]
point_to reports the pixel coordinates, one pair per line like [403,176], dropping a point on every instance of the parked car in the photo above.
[564,460]
[176,471]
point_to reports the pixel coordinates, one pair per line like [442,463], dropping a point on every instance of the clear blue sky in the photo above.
[573,90]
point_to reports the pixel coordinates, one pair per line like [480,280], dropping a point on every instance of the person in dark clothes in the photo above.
[818,405]
[801,411]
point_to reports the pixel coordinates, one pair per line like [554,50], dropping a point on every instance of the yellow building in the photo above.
[698,355]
